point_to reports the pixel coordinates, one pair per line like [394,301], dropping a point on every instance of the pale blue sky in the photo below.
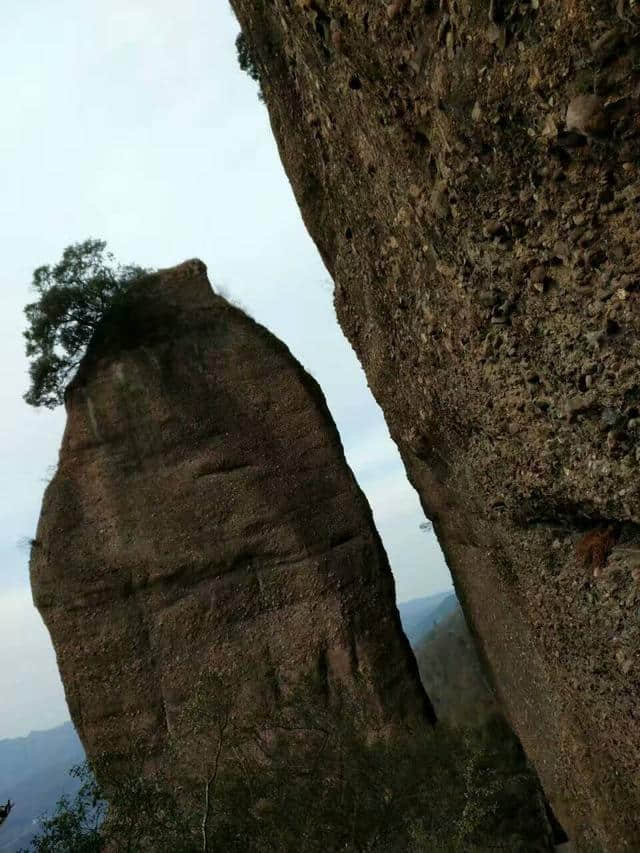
[130,120]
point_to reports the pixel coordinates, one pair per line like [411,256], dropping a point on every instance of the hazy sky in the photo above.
[129,120]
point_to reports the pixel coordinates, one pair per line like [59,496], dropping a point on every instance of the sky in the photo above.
[129,120]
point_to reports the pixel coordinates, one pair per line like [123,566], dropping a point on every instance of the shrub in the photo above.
[247,62]
[593,549]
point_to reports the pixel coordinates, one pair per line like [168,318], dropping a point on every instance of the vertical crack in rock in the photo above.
[203,514]
[469,173]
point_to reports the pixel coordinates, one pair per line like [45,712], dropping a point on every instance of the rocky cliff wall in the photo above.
[202,518]
[469,173]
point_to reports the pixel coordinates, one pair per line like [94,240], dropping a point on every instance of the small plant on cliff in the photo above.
[247,62]
[4,811]
[73,296]
[592,551]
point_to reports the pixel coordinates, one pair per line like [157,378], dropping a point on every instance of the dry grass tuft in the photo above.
[594,548]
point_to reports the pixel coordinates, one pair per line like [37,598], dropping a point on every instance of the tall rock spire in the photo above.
[203,514]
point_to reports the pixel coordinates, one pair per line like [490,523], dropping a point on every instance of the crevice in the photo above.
[338,539]
[224,469]
[559,834]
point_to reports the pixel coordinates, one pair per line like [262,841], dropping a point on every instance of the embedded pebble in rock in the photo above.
[586,115]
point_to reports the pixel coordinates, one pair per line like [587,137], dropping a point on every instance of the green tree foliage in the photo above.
[75,824]
[319,776]
[142,816]
[247,62]
[73,296]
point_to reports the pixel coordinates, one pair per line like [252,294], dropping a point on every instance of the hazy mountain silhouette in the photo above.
[34,773]
[420,615]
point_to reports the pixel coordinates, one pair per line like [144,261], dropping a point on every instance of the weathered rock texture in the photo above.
[203,517]
[469,172]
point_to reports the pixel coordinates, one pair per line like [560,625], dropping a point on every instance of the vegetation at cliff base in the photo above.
[72,297]
[454,679]
[142,816]
[313,776]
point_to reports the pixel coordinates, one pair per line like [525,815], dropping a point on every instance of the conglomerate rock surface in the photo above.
[203,517]
[469,172]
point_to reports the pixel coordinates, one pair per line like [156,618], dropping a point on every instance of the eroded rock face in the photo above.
[203,514]
[469,172]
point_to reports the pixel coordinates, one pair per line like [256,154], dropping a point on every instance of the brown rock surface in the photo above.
[487,272]
[203,513]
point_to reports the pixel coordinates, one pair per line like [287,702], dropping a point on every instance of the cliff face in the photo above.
[469,173]
[203,516]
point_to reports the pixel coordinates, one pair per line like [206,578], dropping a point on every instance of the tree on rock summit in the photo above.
[73,296]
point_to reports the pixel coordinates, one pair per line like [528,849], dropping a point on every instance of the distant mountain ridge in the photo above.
[34,774]
[421,615]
